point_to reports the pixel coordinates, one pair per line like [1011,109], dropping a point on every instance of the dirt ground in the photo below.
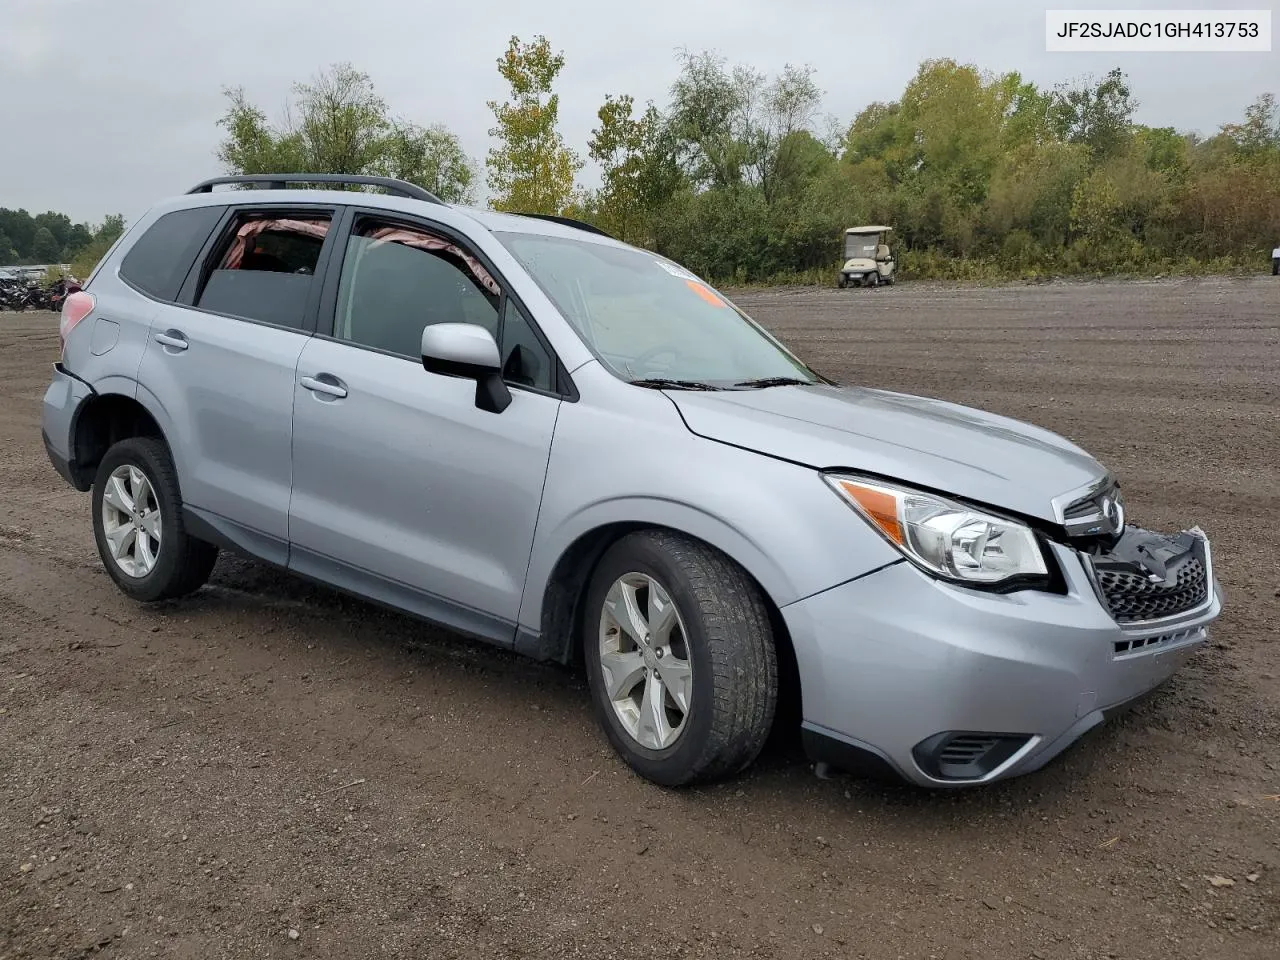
[269,769]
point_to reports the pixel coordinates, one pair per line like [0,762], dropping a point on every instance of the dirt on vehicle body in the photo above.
[266,757]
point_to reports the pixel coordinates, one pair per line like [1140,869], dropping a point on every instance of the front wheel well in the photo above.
[566,591]
[102,422]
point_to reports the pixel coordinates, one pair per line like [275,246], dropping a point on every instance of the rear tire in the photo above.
[720,642]
[137,523]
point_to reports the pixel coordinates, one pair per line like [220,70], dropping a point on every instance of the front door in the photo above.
[403,489]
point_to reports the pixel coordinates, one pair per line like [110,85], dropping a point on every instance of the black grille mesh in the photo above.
[1131,597]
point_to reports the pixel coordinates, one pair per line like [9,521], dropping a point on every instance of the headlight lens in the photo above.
[946,538]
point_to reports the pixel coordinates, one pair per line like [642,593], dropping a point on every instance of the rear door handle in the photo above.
[174,339]
[330,386]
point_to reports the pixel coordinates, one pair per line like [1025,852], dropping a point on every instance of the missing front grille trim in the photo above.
[1148,577]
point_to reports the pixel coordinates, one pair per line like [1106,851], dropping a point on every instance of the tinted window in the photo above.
[159,261]
[397,280]
[265,269]
[525,360]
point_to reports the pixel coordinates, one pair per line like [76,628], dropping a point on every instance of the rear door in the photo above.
[220,362]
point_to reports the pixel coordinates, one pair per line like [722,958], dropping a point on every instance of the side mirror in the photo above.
[467,351]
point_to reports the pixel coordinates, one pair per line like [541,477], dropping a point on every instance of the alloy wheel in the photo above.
[644,657]
[131,520]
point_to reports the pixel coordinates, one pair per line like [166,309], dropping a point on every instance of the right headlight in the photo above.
[945,538]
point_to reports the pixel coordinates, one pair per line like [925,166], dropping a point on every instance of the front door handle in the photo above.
[173,339]
[330,386]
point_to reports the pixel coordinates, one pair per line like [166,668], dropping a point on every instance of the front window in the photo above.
[649,319]
[861,245]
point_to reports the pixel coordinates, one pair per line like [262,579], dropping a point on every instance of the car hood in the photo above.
[931,443]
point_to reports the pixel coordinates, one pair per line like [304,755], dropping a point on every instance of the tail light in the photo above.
[75,308]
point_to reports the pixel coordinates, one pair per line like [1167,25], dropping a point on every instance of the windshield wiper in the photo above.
[661,383]
[774,382]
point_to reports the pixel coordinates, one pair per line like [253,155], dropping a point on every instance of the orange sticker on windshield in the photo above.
[705,293]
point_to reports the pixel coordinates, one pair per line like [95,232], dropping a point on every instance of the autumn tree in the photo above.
[532,171]
[337,123]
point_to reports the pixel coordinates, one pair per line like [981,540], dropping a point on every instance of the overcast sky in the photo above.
[107,105]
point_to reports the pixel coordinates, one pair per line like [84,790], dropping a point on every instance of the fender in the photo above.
[117,384]
[126,387]
[650,512]
[153,405]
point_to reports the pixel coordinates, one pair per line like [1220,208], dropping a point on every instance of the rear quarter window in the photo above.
[158,263]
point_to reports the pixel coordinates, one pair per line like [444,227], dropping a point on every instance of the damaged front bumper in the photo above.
[949,686]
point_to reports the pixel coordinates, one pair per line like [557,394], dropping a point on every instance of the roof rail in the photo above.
[281,181]
[568,222]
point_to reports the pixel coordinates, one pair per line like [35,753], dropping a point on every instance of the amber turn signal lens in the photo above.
[880,507]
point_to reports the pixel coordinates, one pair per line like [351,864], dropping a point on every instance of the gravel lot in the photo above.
[269,769]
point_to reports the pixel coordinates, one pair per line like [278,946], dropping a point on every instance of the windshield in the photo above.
[648,319]
[861,245]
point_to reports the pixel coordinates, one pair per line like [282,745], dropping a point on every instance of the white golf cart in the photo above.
[868,262]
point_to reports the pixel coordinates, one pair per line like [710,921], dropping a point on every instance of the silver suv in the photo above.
[529,432]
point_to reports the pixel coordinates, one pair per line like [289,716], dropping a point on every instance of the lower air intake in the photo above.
[957,755]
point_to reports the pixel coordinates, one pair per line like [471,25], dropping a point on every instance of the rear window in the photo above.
[265,268]
[158,263]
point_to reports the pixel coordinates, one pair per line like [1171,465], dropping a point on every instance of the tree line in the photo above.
[744,177]
[51,238]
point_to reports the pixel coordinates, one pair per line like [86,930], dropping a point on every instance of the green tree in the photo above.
[111,227]
[638,169]
[8,255]
[45,248]
[731,124]
[800,159]
[104,235]
[20,227]
[431,157]
[1259,134]
[337,123]
[707,104]
[1098,114]
[532,171]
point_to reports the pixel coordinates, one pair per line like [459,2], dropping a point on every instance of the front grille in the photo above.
[1100,513]
[1081,508]
[1131,597]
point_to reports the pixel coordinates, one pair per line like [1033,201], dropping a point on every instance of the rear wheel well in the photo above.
[565,595]
[101,423]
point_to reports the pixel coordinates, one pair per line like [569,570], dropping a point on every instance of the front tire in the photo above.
[137,523]
[680,658]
